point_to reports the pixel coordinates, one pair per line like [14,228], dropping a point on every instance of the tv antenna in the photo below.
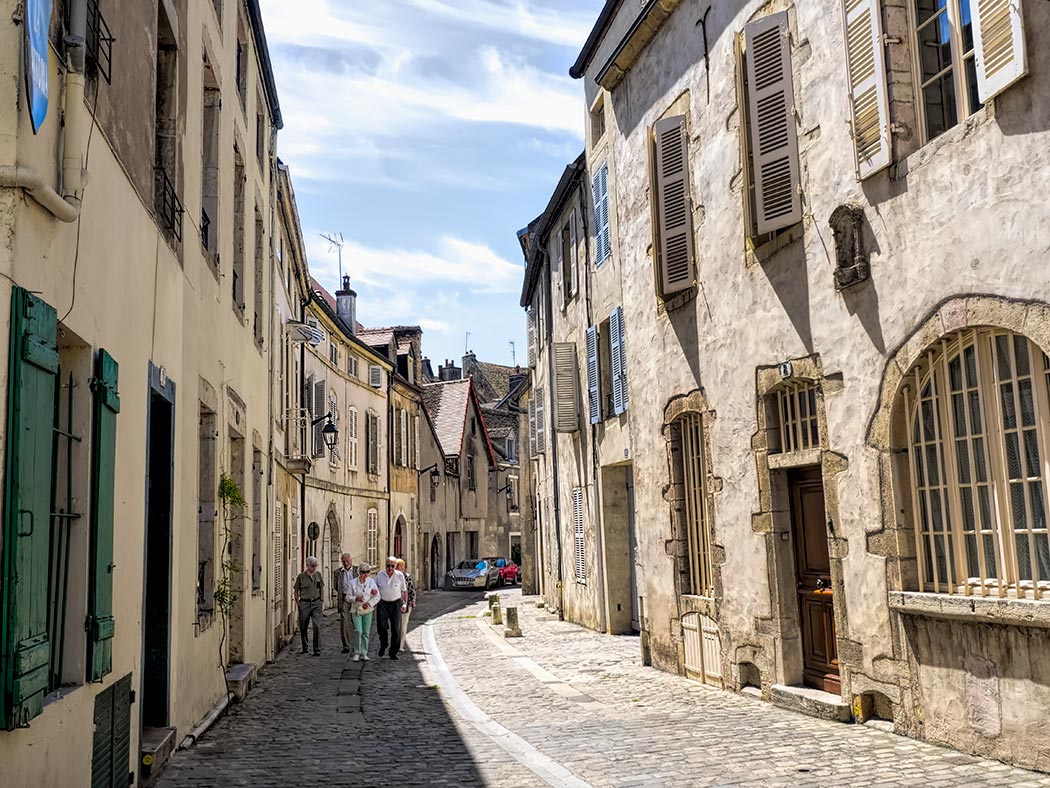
[336,241]
[466,344]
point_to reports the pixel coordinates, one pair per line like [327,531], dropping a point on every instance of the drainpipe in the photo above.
[604,603]
[552,409]
[65,206]
[302,481]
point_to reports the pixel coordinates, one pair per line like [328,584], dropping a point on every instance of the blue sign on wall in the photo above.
[38,24]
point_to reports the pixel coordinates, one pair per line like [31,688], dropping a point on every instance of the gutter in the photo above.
[601,26]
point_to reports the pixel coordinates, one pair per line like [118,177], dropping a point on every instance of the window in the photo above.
[533,344]
[602,233]
[796,405]
[566,388]
[578,544]
[672,206]
[472,482]
[417,458]
[257,480]
[334,457]
[868,86]
[260,131]
[167,178]
[511,448]
[242,62]
[259,285]
[210,170]
[977,415]
[405,451]
[769,131]
[512,493]
[375,376]
[594,377]
[537,436]
[947,71]
[693,475]
[372,442]
[317,411]
[351,364]
[598,121]
[472,545]
[333,353]
[567,256]
[207,486]
[351,438]
[372,544]
[237,286]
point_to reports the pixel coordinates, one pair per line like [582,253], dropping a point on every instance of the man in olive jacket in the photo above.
[343,576]
[308,588]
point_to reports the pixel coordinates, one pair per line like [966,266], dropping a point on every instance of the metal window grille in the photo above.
[205,229]
[99,54]
[694,493]
[169,205]
[797,410]
[978,417]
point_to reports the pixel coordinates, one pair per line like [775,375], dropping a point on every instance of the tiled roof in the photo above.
[320,290]
[447,404]
[497,378]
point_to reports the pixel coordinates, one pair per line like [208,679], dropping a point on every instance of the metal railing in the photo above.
[169,205]
[205,229]
[99,43]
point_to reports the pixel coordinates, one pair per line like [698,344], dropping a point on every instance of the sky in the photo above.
[427,133]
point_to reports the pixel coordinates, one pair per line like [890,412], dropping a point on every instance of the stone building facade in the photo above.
[827,252]
[135,253]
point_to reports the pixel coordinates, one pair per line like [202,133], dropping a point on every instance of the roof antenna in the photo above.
[466,344]
[336,244]
[513,354]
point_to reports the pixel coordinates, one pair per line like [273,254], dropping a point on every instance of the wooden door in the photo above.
[815,596]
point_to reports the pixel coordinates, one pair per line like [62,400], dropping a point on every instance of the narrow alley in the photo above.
[561,706]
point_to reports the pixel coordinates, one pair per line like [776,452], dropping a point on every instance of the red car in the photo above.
[509,572]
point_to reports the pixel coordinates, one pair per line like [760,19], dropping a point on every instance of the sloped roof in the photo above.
[320,290]
[447,402]
[497,377]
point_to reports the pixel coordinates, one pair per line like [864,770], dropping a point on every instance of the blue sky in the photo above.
[428,132]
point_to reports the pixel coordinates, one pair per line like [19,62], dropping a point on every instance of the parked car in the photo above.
[472,574]
[509,572]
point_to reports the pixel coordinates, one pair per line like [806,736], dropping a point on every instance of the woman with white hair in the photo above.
[364,596]
[308,588]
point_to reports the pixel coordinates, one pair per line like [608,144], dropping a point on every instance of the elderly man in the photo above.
[308,588]
[343,576]
[393,601]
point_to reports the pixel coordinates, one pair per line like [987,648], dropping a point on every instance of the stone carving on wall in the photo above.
[851,264]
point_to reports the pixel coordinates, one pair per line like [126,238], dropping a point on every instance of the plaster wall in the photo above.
[953,218]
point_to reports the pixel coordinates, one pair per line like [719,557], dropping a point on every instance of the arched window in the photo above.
[977,406]
[399,538]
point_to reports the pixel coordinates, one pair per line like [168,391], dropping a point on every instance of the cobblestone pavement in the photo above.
[561,706]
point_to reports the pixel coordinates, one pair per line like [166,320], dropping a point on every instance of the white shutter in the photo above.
[375,376]
[351,434]
[616,361]
[541,425]
[318,410]
[674,221]
[419,455]
[998,43]
[866,66]
[594,380]
[566,388]
[532,425]
[578,541]
[531,316]
[574,268]
[602,237]
[278,555]
[774,137]
[559,262]
[404,437]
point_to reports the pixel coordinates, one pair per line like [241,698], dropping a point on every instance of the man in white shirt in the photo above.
[393,601]
[343,576]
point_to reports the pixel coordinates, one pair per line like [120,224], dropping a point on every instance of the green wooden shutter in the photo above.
[100,622]
[111,741]
[24,646]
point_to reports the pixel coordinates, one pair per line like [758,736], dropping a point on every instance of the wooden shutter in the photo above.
[24,647]
[602,236]
[103,462]
[111,738]
[375,376]
[559,262]
[594,378]
[541,426]
[618,361]
[574,268]
[866,66]
[419,452]
[773,134]
[531,316]
[566,388]
[318,410]
[674,221]
[998,42]
[532,426]
[404,437]
[579,553]
[278,555]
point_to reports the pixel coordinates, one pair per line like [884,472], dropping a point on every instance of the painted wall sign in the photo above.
[37,24]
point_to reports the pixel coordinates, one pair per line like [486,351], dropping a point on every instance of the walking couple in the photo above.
[388,595]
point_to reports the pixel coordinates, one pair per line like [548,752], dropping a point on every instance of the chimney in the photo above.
[469,361]
[449,371]
[428,371]
[346,305]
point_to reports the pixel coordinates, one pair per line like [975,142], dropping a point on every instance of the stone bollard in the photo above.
[497,613]
[492,599]
[512,630]
[541,603]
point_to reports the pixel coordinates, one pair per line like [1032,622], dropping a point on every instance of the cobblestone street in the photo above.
[562,706]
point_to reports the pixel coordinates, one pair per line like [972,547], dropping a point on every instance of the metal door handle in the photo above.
[21,518]
[821,585]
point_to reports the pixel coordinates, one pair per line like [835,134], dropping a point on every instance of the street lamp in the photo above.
[330,433]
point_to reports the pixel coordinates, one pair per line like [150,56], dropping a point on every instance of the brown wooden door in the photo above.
[813,567]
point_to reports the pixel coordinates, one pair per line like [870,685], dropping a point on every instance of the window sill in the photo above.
[60,693]
[983,610]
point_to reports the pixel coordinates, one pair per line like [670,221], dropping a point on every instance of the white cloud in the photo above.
[565,27]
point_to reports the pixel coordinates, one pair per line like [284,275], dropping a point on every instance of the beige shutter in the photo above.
[532,426]
[418,454]
[375,376]
[541,423]
[674,221]
[774,137]
[579,545]
[531,316]
[559,261]
[574,280]
[566,388]
[404,437]
[866,64]
[999,50]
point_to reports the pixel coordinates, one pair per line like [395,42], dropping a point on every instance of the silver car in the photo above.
[472,574]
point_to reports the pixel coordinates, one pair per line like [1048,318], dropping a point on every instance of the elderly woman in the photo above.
[364,597]
[411,600]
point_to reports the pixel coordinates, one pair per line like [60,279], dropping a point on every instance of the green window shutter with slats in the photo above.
[106,406]
[24,646]
[111,743]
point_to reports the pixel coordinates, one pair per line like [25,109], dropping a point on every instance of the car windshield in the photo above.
[470,565]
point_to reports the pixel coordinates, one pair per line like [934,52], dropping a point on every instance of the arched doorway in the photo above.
[435,562]
[399,537]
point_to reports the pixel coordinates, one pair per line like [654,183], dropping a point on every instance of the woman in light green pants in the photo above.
[364,595]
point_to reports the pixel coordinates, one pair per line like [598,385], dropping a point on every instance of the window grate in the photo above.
[694,489]
[99,54]
[797,411]
[205,229]
[169,205]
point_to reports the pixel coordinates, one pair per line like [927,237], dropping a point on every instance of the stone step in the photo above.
[811,702]
[241,678]
[158,744]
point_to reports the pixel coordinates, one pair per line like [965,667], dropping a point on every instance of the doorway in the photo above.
[435,565]
[157,565]
[619,549]
[820,664]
